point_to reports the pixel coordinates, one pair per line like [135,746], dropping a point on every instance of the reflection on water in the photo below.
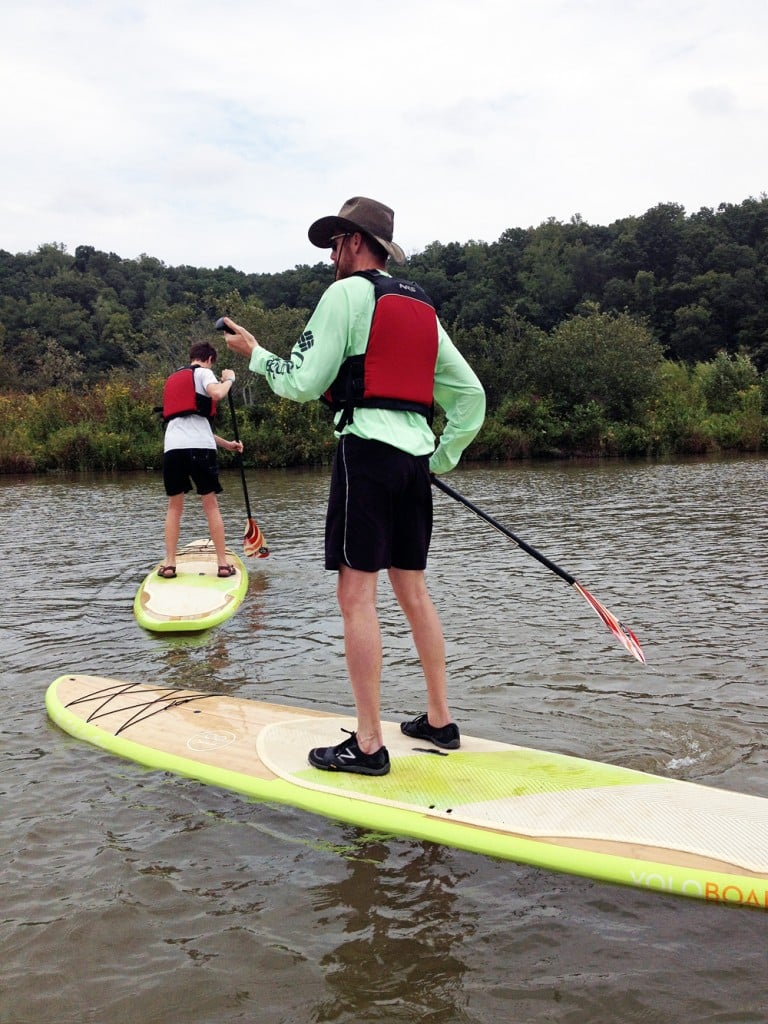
[393,959]
[129,895]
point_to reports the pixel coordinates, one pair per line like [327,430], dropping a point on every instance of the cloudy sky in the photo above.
[213,133]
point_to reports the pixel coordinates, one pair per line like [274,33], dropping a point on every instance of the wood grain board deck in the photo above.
[552,810]
[196,598]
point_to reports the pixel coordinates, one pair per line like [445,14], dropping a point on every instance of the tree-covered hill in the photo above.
[699,281]
[644,337]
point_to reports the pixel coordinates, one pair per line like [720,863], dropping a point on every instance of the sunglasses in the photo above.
[335,240]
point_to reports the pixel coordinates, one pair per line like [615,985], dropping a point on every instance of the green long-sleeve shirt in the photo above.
[339,328]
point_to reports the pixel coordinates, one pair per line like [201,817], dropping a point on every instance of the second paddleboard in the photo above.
[196,598]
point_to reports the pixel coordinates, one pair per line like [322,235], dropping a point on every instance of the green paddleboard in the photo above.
[552,810]
[196,598]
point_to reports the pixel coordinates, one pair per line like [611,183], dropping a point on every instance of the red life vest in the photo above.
[181,399]
[397,369]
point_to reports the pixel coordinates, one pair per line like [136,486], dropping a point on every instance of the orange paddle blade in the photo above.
[254,544]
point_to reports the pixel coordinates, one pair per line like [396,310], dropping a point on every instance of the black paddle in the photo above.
[254,543]
[624,635]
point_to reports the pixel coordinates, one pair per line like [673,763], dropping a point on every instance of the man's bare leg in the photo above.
[356,593]
[413,597]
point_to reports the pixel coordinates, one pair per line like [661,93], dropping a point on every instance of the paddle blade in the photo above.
[254,544]
[625,636]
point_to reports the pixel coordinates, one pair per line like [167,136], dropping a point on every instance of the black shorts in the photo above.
[183,467]
[379,507]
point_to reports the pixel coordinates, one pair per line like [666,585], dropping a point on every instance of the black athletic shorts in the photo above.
[379,507]
[183,467]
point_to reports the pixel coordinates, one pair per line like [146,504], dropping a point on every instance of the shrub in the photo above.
[498,441]
[72,448]
[627,439]
[723,380]
[584,430]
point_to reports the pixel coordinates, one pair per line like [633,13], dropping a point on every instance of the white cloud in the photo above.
[214,134]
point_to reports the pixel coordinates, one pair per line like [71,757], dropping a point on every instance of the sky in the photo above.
[213,133]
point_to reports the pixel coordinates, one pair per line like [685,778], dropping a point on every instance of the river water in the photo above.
[132,896]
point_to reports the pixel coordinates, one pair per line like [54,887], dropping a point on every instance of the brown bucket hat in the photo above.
[359,214]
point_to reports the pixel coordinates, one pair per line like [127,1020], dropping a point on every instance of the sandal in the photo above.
[225,571]
[167,572]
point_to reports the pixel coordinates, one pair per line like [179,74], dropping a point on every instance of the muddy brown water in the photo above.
[128,895]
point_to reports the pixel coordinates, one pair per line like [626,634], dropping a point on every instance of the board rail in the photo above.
[258,749]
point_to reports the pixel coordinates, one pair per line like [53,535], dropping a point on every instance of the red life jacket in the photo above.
[181,399]
[397,369]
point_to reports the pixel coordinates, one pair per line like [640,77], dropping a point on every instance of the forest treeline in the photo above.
[646,336]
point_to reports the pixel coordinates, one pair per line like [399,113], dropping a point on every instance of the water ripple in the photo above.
[130,895]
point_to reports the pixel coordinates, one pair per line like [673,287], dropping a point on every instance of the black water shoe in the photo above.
[348,757]
[419,729]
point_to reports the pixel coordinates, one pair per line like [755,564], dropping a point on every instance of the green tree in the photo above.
[546,277]
[678,414]
[693,331]
[599,357]
[58,368]
[725,380]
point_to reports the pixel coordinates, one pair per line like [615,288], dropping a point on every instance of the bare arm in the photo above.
[230,446]
[221,389]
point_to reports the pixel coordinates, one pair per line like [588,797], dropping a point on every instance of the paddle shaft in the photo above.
[625,636]
[240,460]
[441,485]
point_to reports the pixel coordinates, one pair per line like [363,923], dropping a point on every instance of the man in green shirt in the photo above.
[380,501]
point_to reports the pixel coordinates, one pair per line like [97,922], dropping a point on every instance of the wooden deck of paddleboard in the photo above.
[552,810]
[196,598]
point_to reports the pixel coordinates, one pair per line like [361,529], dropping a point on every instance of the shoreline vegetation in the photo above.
[709,408]
[647,337]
